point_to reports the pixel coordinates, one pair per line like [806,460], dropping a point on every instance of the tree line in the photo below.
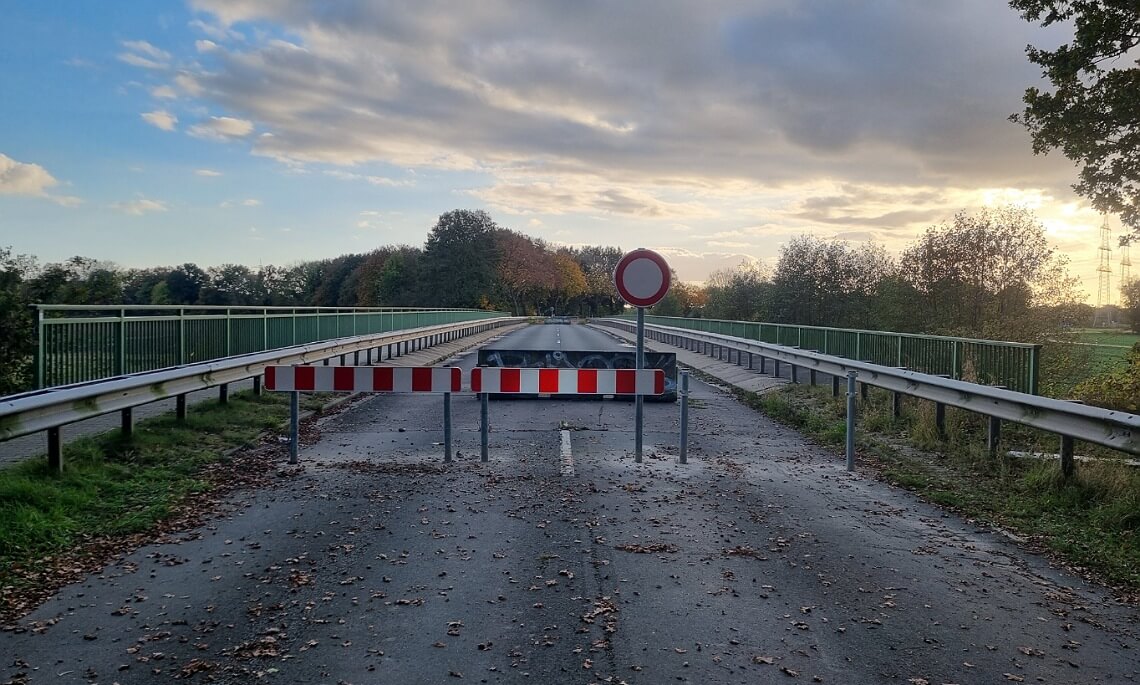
[988,274]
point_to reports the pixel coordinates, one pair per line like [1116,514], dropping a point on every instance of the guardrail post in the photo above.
[484,427]
[257,386]
[446,427]
[776,368]
[865,391]
[811,377]
[993,435]
[223,393]
[1068,467]
[940,419]
[896,404]
[835,386]
[793,373]
[126,423]
[749,361]
[850,445]
[55,450]
[684,417]
[180,407]
[294,425]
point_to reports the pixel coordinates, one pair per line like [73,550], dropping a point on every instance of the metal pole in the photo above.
[684,417]
[294,425]
[850,420]
[484,429]
[638,401]
[446,427]
[40,345]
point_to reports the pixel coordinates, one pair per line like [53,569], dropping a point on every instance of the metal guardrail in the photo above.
[990,362]
[78,343]
[49,409]
[1114,429]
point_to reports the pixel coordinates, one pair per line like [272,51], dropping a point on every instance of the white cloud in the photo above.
[142,47]
[248,202]
[188,84]
[140,206]
[222,128]
[216,31]
[19,178]
[206,172]
[163,93]
[374,180]
[205,45]
[160,119]
[140,53]
[32,180]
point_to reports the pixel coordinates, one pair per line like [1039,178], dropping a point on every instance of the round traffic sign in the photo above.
[642,277]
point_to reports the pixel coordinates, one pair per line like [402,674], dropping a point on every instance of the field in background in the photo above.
[1111,346]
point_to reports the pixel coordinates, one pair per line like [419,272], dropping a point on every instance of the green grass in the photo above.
[113,486]
[1108,336]
[1092,520]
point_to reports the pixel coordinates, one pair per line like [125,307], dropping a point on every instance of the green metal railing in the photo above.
[79,343]
[990,362]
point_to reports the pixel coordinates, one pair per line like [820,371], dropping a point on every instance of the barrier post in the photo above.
[446,427]
[484,428]
[850,420]
[639,401]
[294,425]
[684,417]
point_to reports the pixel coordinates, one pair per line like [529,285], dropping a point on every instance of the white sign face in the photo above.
[642,278]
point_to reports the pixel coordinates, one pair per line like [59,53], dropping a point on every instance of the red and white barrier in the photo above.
[363,378]
[500,380]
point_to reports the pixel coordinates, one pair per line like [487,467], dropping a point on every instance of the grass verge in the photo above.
[114,490]
[1089,522]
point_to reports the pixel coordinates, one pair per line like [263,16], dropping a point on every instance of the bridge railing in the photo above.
[989,362]
[78,343]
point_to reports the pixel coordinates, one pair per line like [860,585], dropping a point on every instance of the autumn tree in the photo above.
[682,299]
[827,282]
[983,274]
[569,283]
[184,283]
[742,294]
[1093,112]
[17,336]
[597,263]
[1130,296]
[230,285]
[459,260]
[524,270]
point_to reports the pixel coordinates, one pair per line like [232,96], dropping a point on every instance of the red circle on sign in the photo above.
[642,277]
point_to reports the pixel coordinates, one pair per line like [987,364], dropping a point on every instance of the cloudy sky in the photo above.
[271,131]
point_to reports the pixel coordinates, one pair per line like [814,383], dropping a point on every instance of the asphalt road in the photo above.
[761,560]
[559,337]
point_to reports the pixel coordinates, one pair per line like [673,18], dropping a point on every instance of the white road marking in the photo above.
[566,468]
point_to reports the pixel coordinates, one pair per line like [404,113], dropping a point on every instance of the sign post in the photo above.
[642,279]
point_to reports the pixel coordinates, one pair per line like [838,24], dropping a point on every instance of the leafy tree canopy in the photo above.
[1093,113]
